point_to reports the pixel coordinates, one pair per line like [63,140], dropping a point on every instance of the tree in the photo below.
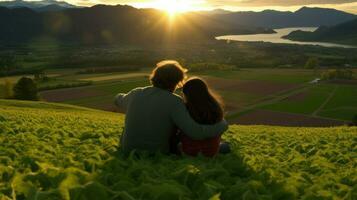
[8,63]
[26,89]
[338,74]
[312,63]
[40,75]
[8,89]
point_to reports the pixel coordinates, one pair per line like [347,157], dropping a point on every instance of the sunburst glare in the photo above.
[173,7]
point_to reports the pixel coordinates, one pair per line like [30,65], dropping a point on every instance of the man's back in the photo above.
[148,124]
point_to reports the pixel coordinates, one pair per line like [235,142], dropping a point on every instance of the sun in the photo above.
[173,7]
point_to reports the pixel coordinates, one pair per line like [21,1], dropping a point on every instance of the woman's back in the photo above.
[205,108]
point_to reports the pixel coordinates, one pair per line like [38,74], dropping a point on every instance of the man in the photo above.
[154,113]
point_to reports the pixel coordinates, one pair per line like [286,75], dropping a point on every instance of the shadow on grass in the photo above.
[146,177]
[181,177]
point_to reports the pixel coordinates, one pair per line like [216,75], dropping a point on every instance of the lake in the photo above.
[277,38]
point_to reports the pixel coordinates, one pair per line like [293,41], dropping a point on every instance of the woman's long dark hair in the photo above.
[204,106]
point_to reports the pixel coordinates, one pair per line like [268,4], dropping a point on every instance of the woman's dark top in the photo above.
[208,147]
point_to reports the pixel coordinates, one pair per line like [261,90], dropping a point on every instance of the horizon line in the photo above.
[224,8]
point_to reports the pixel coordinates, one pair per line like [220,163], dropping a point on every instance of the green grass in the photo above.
[346,114]
[315,97]
[345,96]
[342,105]
[71,153]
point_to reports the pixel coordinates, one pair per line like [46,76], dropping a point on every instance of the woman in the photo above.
[205,108]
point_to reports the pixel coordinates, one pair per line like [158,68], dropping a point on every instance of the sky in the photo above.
[235,5]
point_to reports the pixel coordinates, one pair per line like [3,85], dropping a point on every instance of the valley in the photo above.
[282,97]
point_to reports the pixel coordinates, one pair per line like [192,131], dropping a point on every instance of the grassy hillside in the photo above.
[54,151]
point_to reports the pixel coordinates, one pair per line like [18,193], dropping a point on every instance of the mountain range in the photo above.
[102,23]
[22,21]
[42,5]
[304,17]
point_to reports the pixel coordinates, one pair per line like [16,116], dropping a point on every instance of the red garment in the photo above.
[208,147]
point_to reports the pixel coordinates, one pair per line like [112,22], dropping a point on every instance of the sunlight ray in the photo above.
[173,7]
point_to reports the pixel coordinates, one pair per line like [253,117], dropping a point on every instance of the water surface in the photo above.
[277,38]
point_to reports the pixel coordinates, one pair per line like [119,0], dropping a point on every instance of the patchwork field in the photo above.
[57,151]
[284,97]
[252,96]
[305,102]
[236,92]
[333,101]
[99,96]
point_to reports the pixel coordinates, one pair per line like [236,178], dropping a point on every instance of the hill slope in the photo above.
[345,33]
[68,153]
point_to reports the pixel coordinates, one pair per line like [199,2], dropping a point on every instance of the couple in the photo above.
[156,116]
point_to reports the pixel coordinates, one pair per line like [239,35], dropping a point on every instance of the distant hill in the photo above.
[345,33]
[42,5]
[304,17]
[103,23]
[216,11]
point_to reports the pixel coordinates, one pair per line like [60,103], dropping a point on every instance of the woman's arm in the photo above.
[191,128]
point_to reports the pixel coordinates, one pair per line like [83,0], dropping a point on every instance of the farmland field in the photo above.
[345,95]
[252,96]
[96,96]
[56,151]
[275,75]
[305,103]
